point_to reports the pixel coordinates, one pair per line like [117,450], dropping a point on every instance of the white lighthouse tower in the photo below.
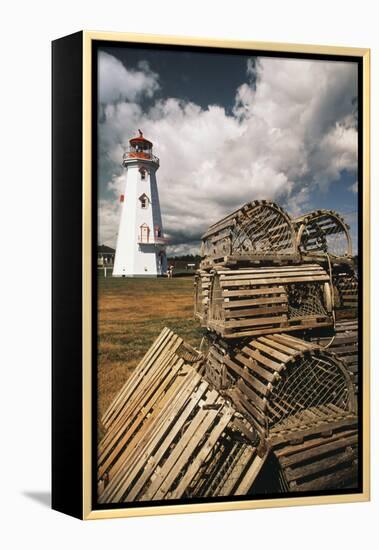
[140,250]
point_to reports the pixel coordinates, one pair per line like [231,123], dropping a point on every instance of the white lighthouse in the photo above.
[140,250]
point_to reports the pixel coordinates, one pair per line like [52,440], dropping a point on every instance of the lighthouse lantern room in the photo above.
[141,246]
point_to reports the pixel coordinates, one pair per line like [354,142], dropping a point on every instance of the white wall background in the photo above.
[27,29]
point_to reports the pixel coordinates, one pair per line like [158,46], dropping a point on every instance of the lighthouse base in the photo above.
[145,261]
[137,276]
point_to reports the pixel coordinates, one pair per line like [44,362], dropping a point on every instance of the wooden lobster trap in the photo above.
[231,470]
[170,434]
[346,291]
[281,383]
[258,231]
[343,342]
[186,425]
[156,377]
[323,458]
[265,300]
[215,368]
[300,399]
[202,283]
[321,233]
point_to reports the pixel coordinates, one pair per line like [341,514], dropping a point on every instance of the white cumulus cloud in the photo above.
[292,128]
[117,83]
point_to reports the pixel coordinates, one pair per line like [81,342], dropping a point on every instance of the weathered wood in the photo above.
[320,462]
[344,420]
[202,454]
[253,292]
[287,388]
[258,230]
[162,448]
[145,382]
[128,388]
[343,342]
[289,449]
[262,280]
[251,475]
[202,283]
[151,382]
[323,232]
[237,471]
[258,301]
[346,290]
[185,425]
[320,450]
[293,326]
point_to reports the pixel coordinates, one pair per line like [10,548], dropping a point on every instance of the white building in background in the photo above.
[141,246]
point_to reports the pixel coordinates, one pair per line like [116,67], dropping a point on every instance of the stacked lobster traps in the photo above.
[279,297]
[270,403]
[170,434]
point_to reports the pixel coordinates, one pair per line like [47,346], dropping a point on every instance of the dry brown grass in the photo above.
[131,314]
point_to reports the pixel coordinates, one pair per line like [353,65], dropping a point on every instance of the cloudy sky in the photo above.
[228,129]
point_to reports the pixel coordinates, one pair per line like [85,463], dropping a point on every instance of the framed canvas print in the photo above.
[210,275]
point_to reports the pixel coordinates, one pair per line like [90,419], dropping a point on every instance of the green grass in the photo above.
[132,313]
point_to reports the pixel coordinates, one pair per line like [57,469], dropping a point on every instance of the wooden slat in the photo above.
[251,475]
[252,395]
[127,389]
[275,366]
[202,454]
[263,330]
[256,415]
[263,291]
[240,275]
[289,450]
[330,481]
[272,352]
[242,313]
[348,421]
[277,270]
[256,321]
[145,385]
[155,458]
[182,452]
[276,280]
[322,449]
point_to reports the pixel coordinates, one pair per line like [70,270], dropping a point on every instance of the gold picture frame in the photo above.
[86,510]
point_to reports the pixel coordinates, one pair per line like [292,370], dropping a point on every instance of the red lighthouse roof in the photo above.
[140,148]
[140,140]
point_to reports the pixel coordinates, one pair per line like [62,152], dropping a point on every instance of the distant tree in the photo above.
[189,258]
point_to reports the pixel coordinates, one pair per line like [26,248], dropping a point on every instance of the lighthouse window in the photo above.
[143,174]
[144,200]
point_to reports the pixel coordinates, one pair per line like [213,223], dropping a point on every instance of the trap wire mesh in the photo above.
[315,387]
[324,232]
[264,229]
[305,301]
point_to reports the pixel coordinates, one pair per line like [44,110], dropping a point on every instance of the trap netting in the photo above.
[259,228]
[323,232]
[306,300]
[346,289]
[310,390]
[262,300]
[263,229]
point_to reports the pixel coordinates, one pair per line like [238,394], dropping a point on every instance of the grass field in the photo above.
[132,313]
